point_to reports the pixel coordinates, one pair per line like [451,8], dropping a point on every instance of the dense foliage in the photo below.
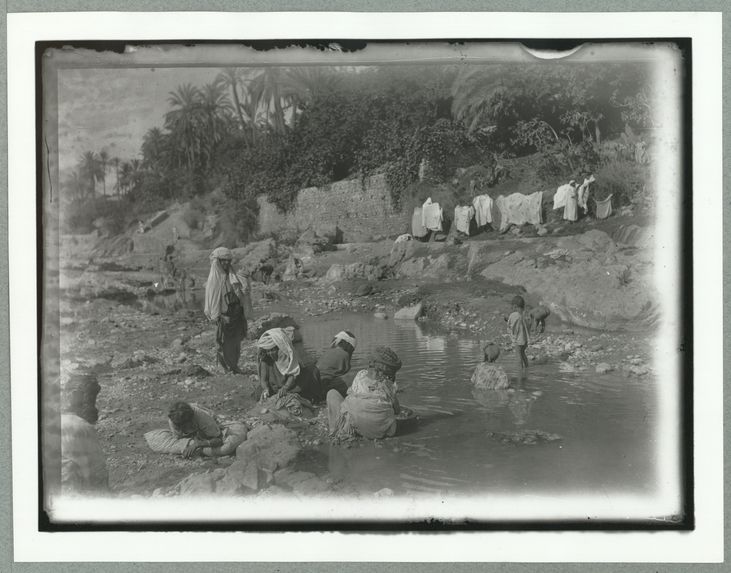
[276,130]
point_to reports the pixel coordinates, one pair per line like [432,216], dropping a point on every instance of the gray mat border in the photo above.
[6,540]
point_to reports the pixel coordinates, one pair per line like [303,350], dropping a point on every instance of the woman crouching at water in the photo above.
[335,362]
[279,370]
[225,298]
[371,406]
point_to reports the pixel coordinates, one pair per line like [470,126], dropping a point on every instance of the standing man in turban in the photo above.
[226,294]
[83,465]
[371,406]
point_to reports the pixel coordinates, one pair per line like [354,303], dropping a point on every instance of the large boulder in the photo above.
[354,271]
[311,241]
[270,447]
[586,280]
[254,255]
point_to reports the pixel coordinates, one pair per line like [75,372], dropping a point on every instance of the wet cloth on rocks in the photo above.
[403,238]
[483,205]
[369,409]
[462,217]
[583,193]
[418,229]
[432,216]
[559,199]
[83,465]
[603,208]
[286,363]
[293,403]
[518,209]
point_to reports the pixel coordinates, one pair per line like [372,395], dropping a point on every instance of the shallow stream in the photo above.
[463,440]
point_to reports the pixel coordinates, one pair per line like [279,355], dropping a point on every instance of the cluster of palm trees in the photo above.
[89,178]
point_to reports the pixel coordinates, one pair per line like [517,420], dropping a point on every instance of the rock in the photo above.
[517,231]
[311,241]
[409,312]
[271,447]
[364,290]
[272,320]
[354,271]
[293,269]
[603,368]
[541,230]
[381,315]
[182,357]
[384,492]
[252,256]
[197,484]
[195,371]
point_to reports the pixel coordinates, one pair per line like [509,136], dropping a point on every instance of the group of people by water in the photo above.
[368,407]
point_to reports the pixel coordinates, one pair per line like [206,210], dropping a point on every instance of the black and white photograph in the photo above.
[399,284]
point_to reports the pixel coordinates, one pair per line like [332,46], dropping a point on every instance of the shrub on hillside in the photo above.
[195,214]
[621,179]
[79,216]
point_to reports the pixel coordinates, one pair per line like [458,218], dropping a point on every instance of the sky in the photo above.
[112,109]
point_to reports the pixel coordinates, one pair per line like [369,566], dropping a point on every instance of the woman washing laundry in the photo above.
[371,407]
[226,294]
[279,370]
[335,362]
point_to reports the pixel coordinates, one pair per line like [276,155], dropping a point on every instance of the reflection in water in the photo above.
[604,422]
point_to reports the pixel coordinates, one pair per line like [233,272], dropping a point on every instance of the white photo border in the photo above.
[704,544]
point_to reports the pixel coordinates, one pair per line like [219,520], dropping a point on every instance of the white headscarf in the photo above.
[219,283]
[286,363]
[342,335]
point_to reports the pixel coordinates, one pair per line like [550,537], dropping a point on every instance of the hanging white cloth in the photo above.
[584,193]
[432,215]
[483,209]
[462,218]
[562,193]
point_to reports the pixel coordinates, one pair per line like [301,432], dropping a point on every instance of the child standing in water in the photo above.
[518,331]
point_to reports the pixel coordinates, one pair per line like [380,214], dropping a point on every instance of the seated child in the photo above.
[488,375]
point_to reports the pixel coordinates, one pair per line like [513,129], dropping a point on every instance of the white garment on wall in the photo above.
[462,218]
[483,209]
[432,215]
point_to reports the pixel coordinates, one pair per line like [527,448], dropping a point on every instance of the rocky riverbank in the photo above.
[151,345]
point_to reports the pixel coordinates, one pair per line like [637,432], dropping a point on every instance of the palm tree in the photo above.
[90,169]
[103,160]
[125,177]
[216,109]
[184,123]
[116,161]
[476,93]
[154,147]
[267,88]
[231,78]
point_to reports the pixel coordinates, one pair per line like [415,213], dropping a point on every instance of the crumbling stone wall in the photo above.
[360,211]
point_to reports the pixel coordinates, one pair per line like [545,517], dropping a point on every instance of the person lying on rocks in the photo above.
[83,465]
[536,319]
[371,408]
[194,431]
[488,375]
[281,373]
[335,362]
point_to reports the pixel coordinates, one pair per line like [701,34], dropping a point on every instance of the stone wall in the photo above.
[361,212]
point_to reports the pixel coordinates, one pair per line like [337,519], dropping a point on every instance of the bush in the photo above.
[621,179]
[195,214]
[79,216]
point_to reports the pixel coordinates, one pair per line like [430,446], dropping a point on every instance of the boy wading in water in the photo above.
[518,331]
